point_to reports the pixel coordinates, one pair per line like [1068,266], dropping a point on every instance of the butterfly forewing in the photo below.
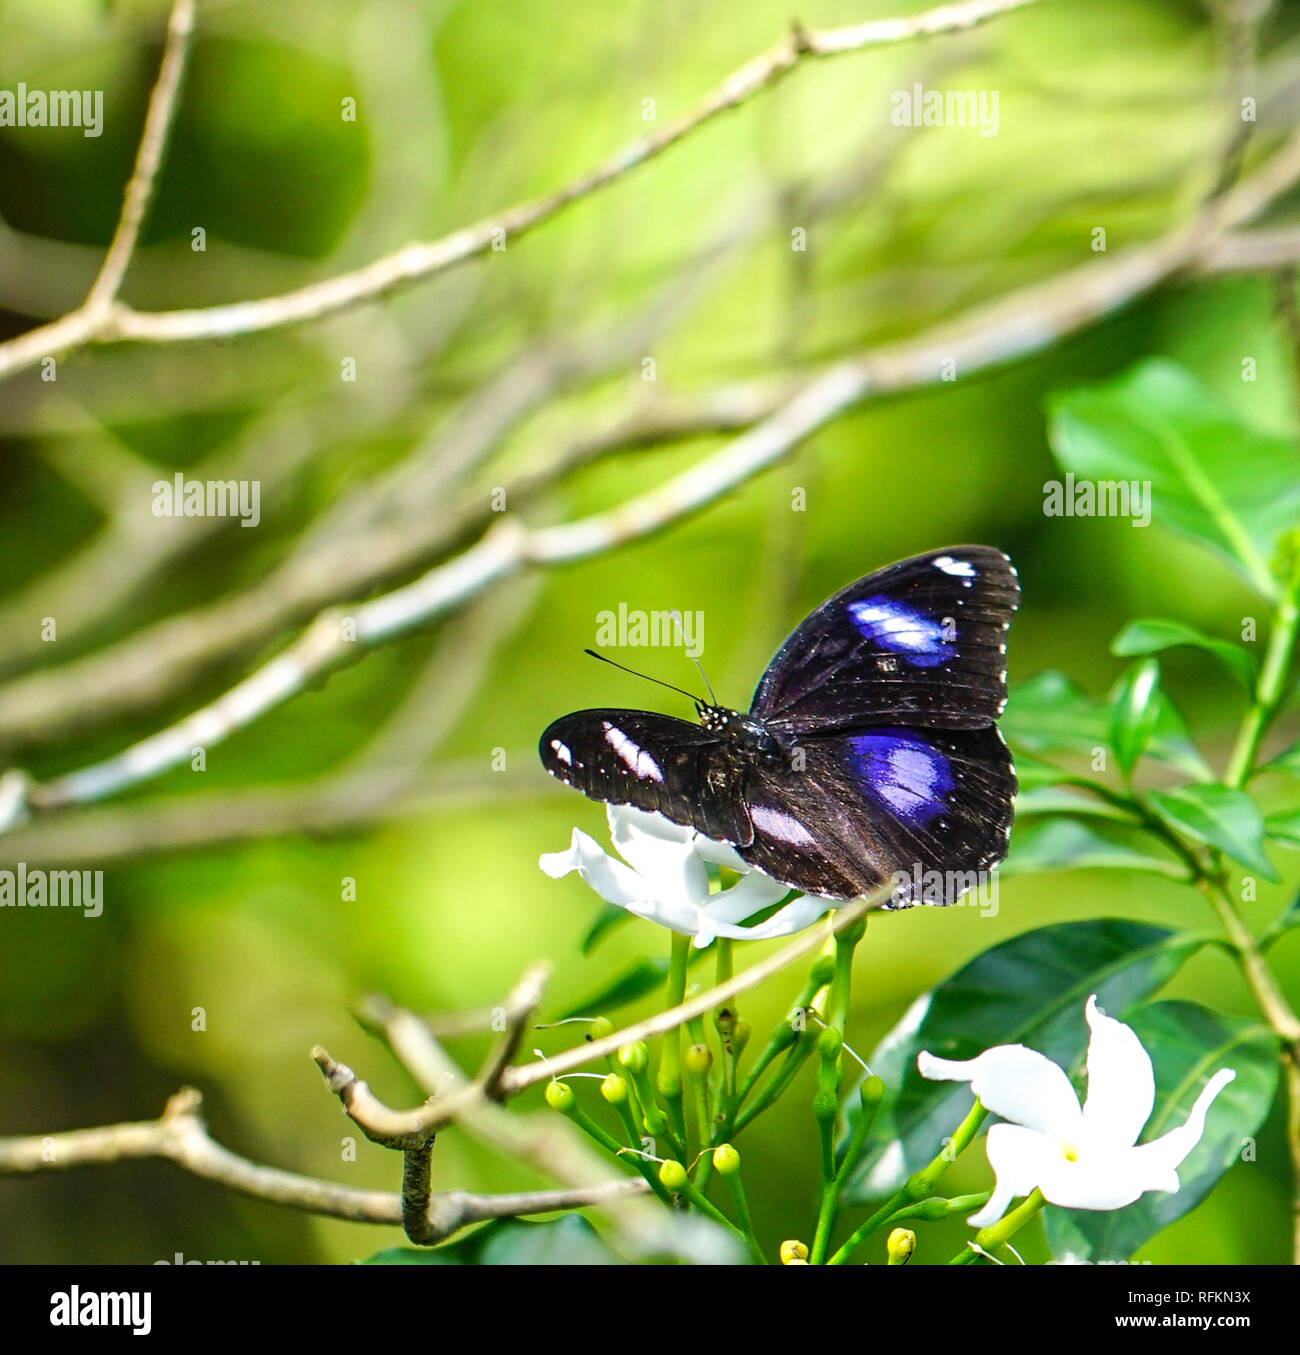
[657,763]
[920,642]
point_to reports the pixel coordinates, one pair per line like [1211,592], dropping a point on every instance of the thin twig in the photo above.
[181,1136]
[419,261]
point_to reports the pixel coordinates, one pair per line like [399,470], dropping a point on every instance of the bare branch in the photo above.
[148,160]
[181,1136]
[419,261]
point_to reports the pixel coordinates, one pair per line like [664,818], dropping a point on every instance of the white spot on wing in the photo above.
[561,751]
[780,825]
[963,569]
[640,762]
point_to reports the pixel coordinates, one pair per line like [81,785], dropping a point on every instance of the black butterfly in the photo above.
[869,752]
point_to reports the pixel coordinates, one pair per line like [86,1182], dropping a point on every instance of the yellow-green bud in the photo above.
[614,1089]
[698,1058]
[829,1043]
[725,1020]
[872,1092]
[672,1175]
[559,1096]
[600,1027]
[740,1037]
[635,1056]
[794,1253]
[901,1245]
[726,1159]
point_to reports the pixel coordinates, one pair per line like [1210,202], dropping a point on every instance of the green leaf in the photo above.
[1065,844]
[1134,714]
[1033,773]
[1218,816]
[1041,801]
[1188,1043]
[639,978]
[1152,636]
[1288,762]
[609,919]
[1284,827]
[1048,714]
[1213,477]
[1028,990]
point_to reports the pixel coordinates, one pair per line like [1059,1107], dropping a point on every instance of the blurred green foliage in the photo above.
[466,108]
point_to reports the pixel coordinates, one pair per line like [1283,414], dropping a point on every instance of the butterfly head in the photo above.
[716,719]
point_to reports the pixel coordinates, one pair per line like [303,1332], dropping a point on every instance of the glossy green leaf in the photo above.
[1188,1044]
[608,920]
[1028,990]
[1284,827]
[1213,477]
[639,978]
[1153,636]
[1218,816]
[1066,844]
[1134,714]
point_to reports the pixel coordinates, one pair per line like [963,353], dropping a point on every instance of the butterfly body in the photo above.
[870,749]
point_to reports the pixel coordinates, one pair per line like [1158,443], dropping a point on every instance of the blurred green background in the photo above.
[1108,117]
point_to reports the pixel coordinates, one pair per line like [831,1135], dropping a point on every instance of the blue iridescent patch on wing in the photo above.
[892,625]
[899,767]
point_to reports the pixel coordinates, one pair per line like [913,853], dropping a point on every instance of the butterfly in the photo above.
[870,751]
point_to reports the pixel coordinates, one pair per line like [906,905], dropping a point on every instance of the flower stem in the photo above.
[1002,1231]
[670,1056]
[918,1186]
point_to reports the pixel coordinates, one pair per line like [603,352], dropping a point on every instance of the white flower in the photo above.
[1085,1158]
[665,880]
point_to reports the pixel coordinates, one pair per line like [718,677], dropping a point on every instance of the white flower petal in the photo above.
[611,879]
[1121,1083]
[1019,1157]
[661,852]
[723,855]
[1159,1159]
[1019,1084]
[743,899]
[794,917]
[1101,1180]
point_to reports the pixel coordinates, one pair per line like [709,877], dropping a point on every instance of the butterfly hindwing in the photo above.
[877,804]
[920,642]
[657,763]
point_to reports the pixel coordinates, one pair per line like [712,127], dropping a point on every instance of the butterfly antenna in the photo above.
[658,681]
[681,630]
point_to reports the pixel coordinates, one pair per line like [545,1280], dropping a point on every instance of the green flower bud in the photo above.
[901,1245]
[614,1089]
[829,1043]
[740,1037]
[669,1084]
[635,1056]
[794,1253]
[931,1210]
[786,1033]
[871,1093]
[600,1027]
[698,1058]
[726,1159]
[672,1176]
[725,1020]
[559,1096]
